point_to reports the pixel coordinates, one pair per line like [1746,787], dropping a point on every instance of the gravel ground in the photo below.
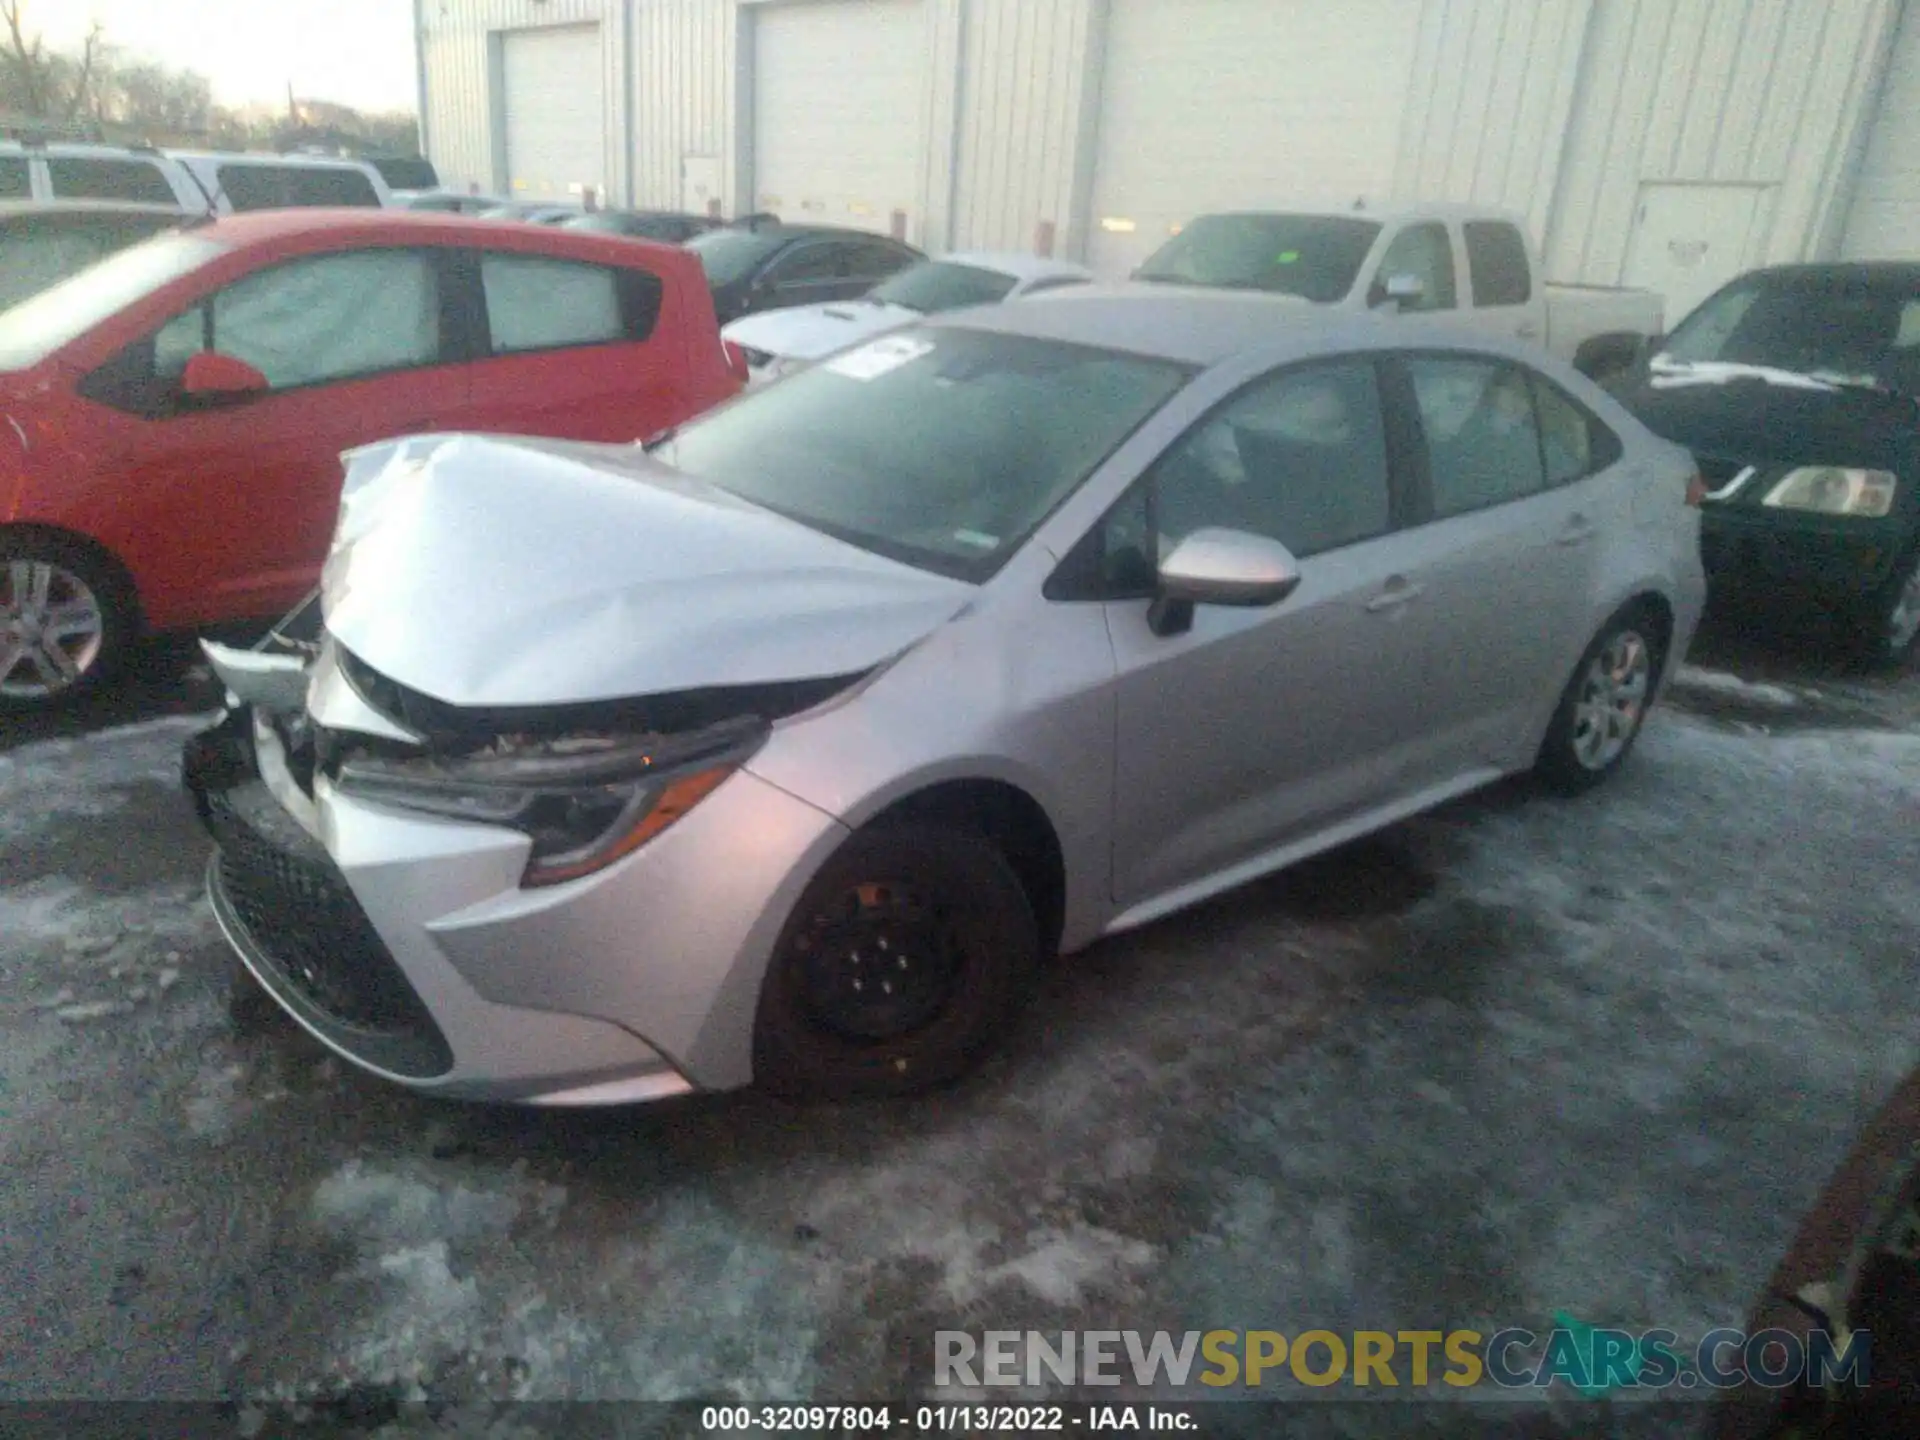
[1518,1057]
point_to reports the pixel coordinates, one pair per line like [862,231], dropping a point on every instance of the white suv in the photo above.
[238,180]
[62,170]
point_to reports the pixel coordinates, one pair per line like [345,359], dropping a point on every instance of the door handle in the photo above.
[1397,593]
[1579,530]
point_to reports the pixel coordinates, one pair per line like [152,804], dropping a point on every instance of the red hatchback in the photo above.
[174,416]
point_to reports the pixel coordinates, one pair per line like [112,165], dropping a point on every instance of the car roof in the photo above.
[785,232]
[1898,274]
[1200,327]
[114,209]
[269,157]
[1015,263]
[393,223]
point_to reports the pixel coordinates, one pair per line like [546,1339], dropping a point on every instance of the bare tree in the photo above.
[42,84]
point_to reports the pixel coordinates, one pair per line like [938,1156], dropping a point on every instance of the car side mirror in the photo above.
[1220,567]
[211,376]
[1400,291]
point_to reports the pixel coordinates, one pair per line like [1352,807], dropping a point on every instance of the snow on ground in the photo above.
[1719,682]
[1520,1056]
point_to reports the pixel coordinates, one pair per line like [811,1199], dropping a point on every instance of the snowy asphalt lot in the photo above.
[1519,1057]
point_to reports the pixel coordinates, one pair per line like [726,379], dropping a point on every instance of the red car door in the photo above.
[238,495]
[575,350]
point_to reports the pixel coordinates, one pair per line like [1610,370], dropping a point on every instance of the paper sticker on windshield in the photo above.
[880,357]
[1287,257]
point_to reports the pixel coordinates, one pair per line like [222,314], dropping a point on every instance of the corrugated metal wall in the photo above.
[683,68]
[1562,109]
[1493,82]
[1758,92]
[461,120]
[1023,65]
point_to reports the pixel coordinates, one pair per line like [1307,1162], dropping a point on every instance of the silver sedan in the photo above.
[782,748]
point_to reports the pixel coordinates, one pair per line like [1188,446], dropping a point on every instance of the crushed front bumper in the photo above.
[1838,560]
[407,945]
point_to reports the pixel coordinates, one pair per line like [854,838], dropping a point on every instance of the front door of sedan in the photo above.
[237,495]
[1256,727]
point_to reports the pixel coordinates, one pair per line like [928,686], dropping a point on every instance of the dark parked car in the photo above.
[761,264]
[671,226]
[40,244]
[535,212]
[1796,387]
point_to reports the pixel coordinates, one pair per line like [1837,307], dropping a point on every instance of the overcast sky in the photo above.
[356,52]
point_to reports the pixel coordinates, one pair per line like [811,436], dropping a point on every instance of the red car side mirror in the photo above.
[210,374]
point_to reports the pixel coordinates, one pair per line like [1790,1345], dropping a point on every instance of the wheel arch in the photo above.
[73,540]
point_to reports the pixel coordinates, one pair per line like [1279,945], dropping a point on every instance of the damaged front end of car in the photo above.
[582,785]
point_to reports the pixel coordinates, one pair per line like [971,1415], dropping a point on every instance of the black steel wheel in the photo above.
[901,965]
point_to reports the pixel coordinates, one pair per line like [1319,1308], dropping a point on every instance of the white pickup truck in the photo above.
[1439,263]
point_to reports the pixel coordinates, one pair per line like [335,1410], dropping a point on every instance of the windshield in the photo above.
[1316,257]
[730,255]
[1855,328]
[940,448]
[35,328]
[936,285]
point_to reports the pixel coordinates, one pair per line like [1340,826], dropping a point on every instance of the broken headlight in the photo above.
[584,802]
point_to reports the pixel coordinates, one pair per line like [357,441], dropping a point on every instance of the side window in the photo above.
[1573,443]
[1497,260]
[1483,446]
[1424,252]
[312,321]
[1300,458]
[281,187]
[867,258]
[80,177]
[806,263]
[16,182]
[534,303]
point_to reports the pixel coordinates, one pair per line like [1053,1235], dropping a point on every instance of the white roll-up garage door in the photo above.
[1211,105]
[1885,221]
[556,120]
[839,103]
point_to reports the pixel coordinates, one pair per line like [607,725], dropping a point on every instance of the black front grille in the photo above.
[303,925]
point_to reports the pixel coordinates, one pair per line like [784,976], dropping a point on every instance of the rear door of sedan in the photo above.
[571,348]
[1512,480]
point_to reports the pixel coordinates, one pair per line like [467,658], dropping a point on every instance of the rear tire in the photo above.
[67,621]
[1604,707]
[901,966]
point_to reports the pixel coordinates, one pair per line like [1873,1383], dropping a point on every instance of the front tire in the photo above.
[900,967]
[1604,706]
[66,622]
[1888,626]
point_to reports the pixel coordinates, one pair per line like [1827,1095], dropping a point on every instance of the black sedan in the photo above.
[761,264]
[42,244]
[671,227]
[1796,388]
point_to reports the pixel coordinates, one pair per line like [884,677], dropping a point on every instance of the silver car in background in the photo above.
[782,748]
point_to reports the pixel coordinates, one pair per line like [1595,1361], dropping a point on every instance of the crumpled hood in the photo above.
[807,332]
[1791,422]
[489,572]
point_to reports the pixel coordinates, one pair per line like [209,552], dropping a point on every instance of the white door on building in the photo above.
[1884,223]
[840,94]
[1211,105]
[554,113]
[1689,240]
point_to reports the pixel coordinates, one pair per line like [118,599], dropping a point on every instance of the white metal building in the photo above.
[1668,143]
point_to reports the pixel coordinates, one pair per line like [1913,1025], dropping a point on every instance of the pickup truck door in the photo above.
[1503,285]
[1426,251]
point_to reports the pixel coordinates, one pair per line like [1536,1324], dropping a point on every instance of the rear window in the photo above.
[1497,258]
[536,303]
[730,255]
[285,187]
[15,183]
[85,177]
